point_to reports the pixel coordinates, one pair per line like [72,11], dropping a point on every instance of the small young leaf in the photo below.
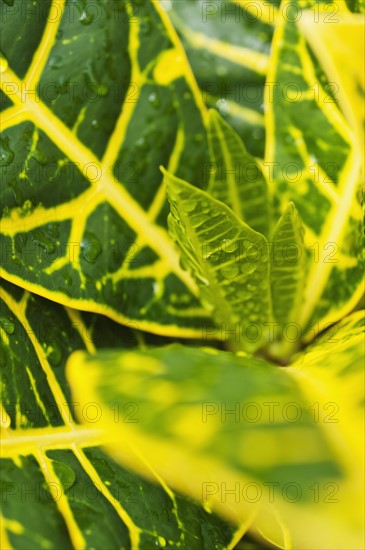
[288,260]
[227,258]
[237,179]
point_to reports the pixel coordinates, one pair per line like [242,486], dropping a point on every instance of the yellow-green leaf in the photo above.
[60,488]
[228,46]
[236,178]
[312,158]
[95,99]
[288,266]
[340,48]
[282,446]
[227,258]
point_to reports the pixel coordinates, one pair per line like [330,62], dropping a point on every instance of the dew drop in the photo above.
[54,355]
[55,62]
[230,271]
[189,206]
[6,154]
[140,142]
[90,247]
[252,252]
[153,99]
[95,124]
[65,473]
[223,107]
[251,287]
[247,268]
[253,317]
[85,18]
[221,70]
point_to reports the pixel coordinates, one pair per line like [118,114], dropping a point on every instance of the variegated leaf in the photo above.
[340,49]
[95,97]
[312,158]
[236,177]
[288,266]
[294,435]
[228,259]
[60,488]
[228,44]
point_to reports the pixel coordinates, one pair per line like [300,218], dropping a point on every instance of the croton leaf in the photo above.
[93,103]
[227,258]
[312,158]
[236,177]
[340,47]
[228,44]
[288,266]
[60,488]
[282,446]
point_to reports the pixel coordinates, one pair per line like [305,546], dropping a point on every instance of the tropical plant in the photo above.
[182,275]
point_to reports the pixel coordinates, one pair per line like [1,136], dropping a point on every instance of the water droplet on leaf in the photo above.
[65,474]
[247,268]
[54,355]
[221,70]
[153,99]
[223,107]
[55,62]
[90,247]
[189,206]
[230,271]
[85,18]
